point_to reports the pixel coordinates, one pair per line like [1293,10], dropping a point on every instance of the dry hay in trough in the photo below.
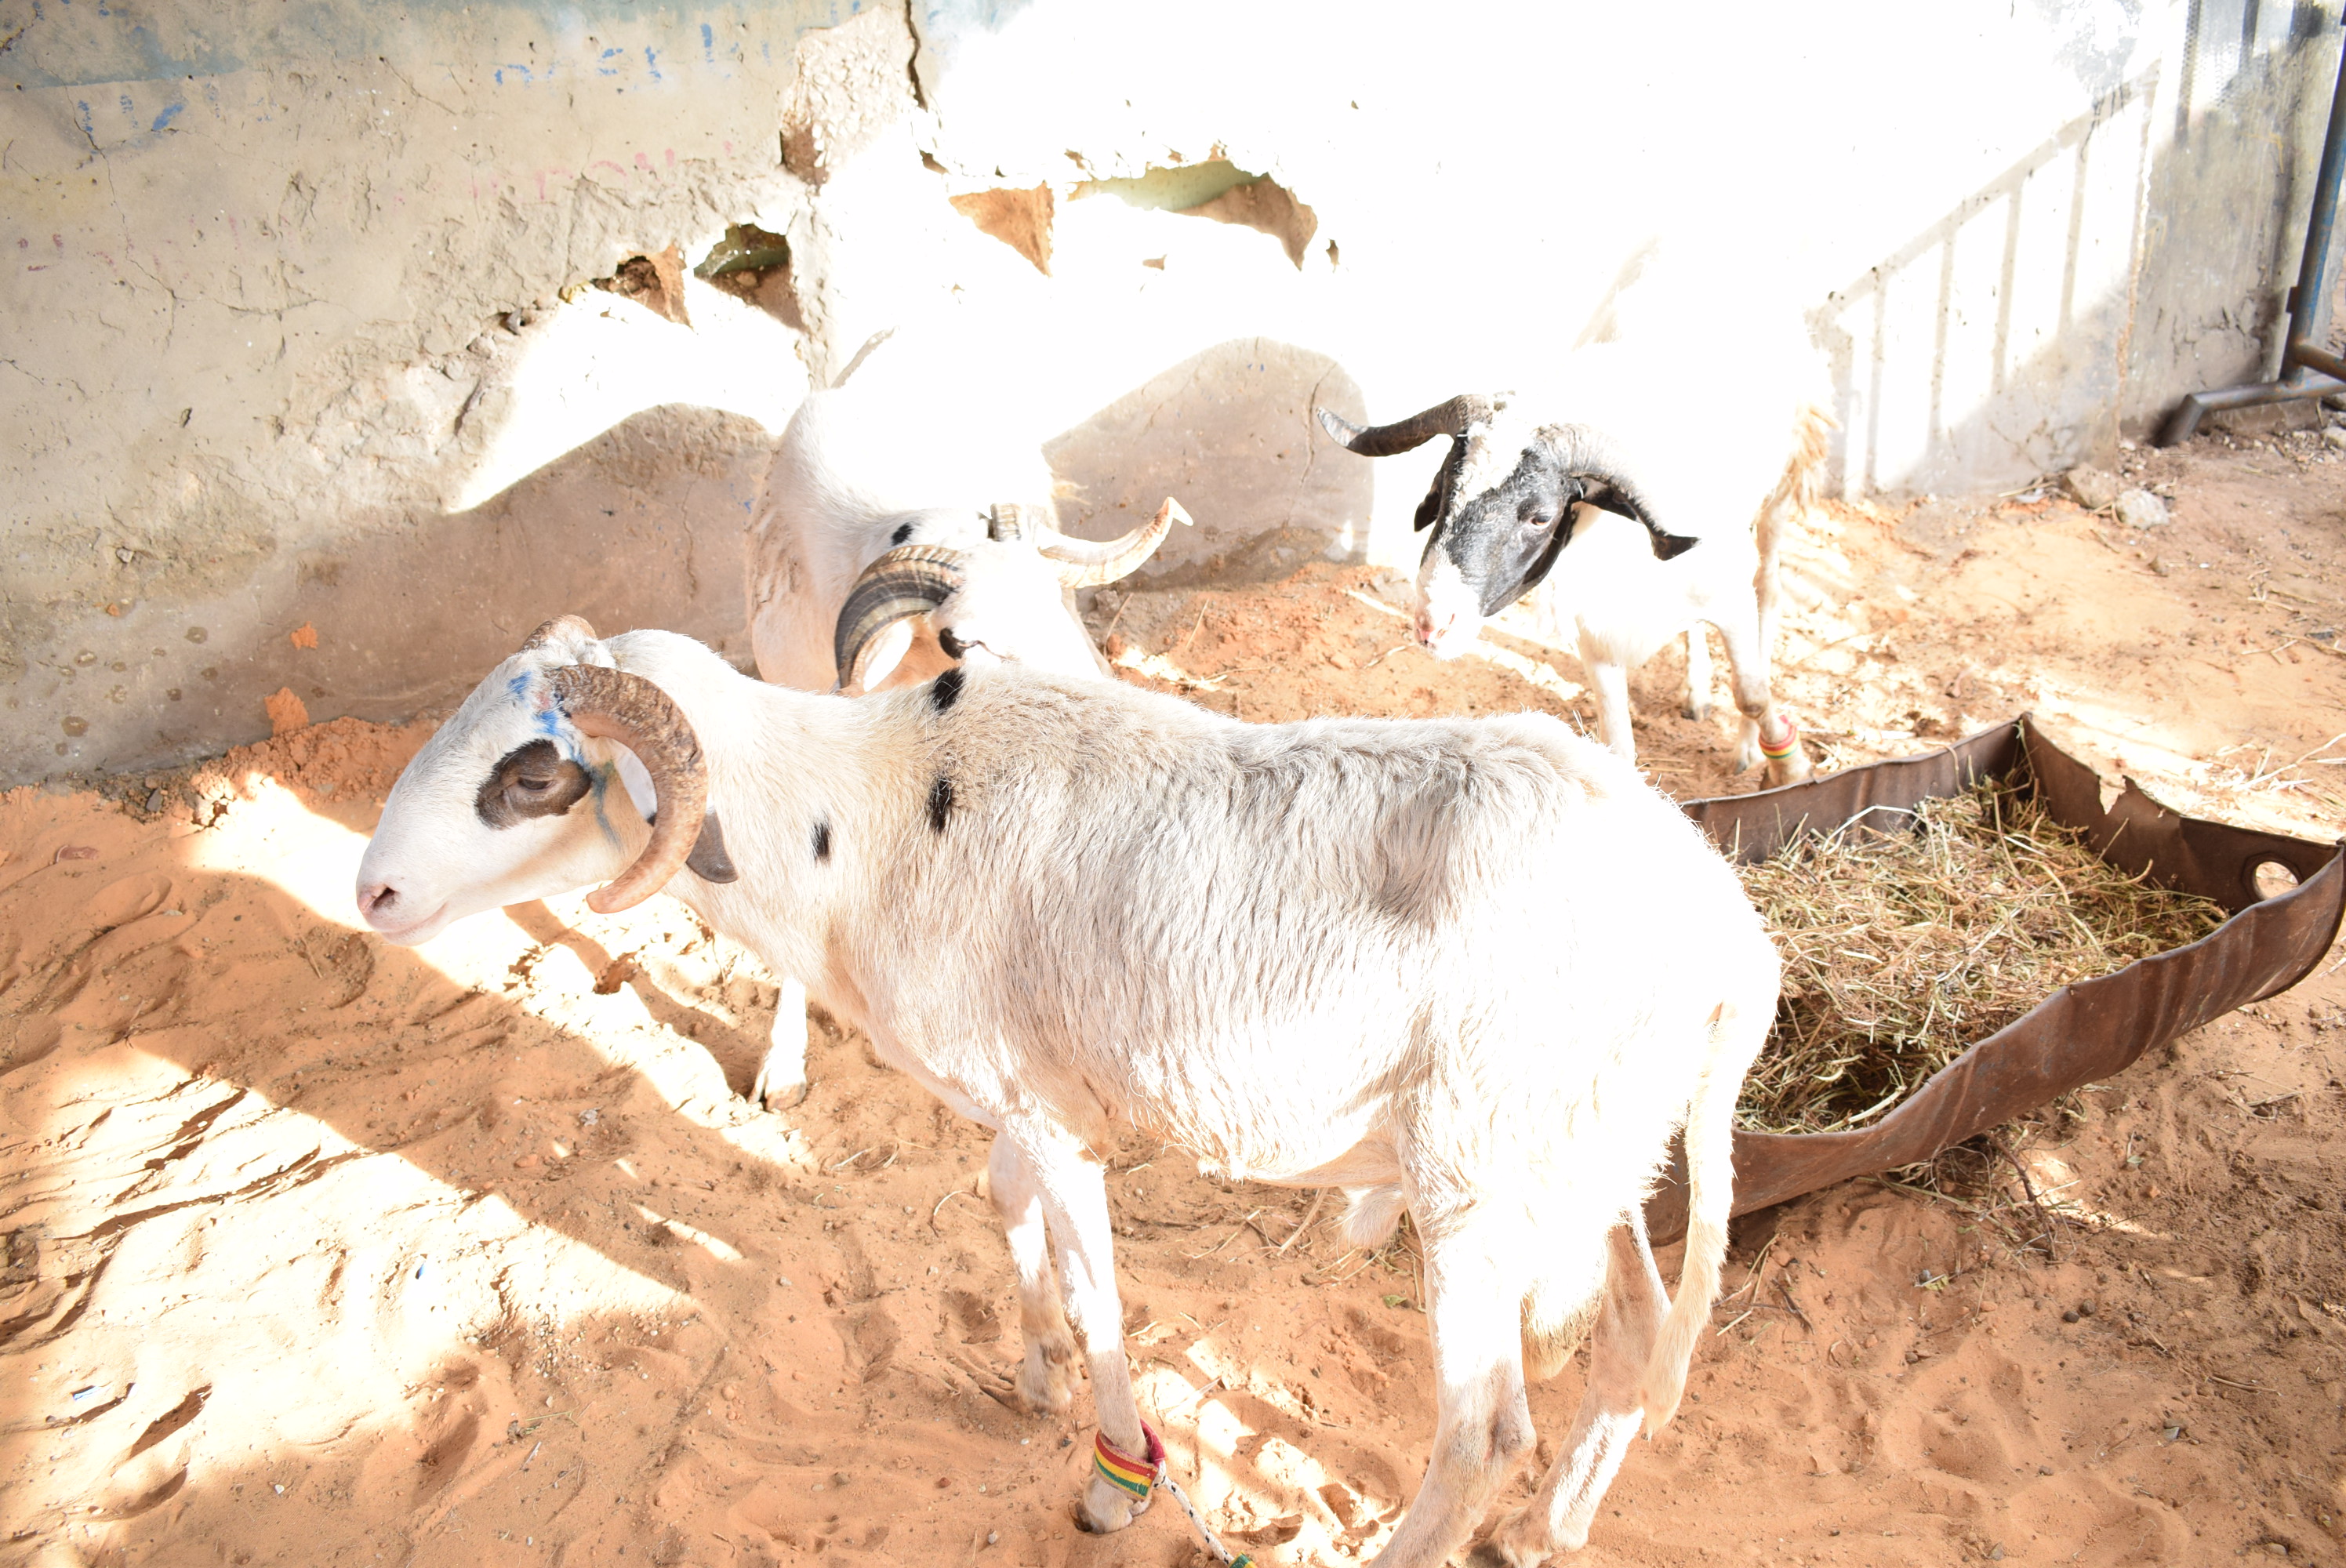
[1903,949]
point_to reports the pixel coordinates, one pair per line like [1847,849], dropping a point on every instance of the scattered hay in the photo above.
[1903,950]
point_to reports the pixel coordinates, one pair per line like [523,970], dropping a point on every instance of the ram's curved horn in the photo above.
[909,580]
[620,705]
[1592,455]
[573,626]
[1087,564]
[1450,418]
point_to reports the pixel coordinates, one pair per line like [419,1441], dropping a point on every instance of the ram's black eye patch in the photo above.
[530,780]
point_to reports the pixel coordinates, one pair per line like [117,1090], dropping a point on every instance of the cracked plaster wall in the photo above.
[298,334]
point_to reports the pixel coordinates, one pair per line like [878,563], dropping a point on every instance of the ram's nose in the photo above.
[378,905]
[1435,627]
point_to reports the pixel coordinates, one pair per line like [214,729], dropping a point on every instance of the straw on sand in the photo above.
[1903,949]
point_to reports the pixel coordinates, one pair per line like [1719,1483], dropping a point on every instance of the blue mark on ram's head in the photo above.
[599,781]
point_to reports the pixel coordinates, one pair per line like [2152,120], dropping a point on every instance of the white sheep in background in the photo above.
[889,545]
[1648,527]
[1475,967]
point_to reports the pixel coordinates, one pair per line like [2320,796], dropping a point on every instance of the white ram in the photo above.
[1474,967]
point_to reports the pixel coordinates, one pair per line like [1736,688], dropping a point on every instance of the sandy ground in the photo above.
[321,1251]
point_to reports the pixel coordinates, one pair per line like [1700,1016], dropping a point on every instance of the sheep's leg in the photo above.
[1627,1327]
[1763,722]
[1075,1198]
[781,1080]
[1483,1425]
[1698,697]
[1046,1376]
[1610,678]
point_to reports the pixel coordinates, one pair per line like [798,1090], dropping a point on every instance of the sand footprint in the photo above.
[147,1475]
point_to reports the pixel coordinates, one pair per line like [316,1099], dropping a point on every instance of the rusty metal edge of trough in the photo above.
[2083,1032]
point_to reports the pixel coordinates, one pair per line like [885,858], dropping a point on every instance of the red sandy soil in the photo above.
[323,1251]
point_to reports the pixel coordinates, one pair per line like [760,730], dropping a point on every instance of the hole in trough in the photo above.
[2271,878]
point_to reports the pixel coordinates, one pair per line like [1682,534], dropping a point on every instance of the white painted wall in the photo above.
[289,343]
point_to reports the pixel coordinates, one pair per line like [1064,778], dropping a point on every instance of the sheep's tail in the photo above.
[1711,1200]
[1795,493]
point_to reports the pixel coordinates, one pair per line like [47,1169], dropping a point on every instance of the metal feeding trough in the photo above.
[2081,1034]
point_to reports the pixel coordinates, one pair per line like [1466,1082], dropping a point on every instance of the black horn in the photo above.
[1450,418]
[1597,460]
[909,580]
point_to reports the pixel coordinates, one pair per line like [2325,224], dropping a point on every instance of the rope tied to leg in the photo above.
[1138,1476]
[1783,746]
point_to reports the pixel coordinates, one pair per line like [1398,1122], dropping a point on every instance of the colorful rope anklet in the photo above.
[1783,747]
[1123,1472]
[1138,1476]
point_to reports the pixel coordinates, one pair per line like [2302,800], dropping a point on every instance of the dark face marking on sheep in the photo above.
[532,780]
[941,803]
[821,839]
[904,532]
[947,690]
[1506,539]
[955,647]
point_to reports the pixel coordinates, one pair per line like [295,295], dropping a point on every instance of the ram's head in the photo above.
[1004,599]
[1499,510]
[512,798]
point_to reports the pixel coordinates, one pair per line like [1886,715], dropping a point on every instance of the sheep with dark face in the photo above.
[1441,963]
[1621,532]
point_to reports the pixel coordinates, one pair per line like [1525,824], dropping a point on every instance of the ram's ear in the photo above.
[709,861]
[1667,546]
[1430,508]
[1437,498]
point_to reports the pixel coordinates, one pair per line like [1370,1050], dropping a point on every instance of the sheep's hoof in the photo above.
[1105,1508]
[1517,1542]
[1047,1392]
[774,1094]
[1747,756]
[1695,709]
